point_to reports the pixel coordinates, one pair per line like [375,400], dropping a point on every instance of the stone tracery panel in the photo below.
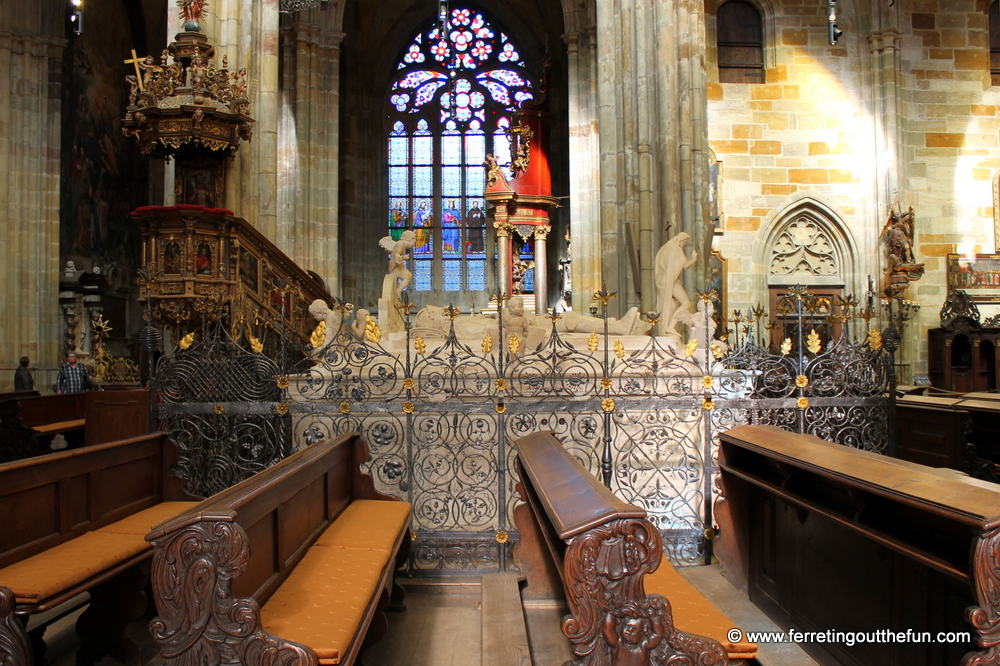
[804,246]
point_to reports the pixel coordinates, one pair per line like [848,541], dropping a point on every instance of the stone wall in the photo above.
[905,106]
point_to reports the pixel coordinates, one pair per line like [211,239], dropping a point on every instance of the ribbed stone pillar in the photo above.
[247,33]
[309,140]
[30,120]
[653,140]
[584,173]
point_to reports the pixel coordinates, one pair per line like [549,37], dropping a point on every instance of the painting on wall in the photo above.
[200,182]
[103,177]
[976,274]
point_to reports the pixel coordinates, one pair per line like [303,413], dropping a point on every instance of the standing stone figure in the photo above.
[671,299]
[398,255]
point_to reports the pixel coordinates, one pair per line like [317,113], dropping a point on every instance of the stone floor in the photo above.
[442,627]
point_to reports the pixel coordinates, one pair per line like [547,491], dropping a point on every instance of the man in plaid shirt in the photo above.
[72,376]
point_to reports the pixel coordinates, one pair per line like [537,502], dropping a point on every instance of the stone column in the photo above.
[247,32]
[309,142]
[504,230]
[541,269]
[584,202]
[653,140]
[31,119]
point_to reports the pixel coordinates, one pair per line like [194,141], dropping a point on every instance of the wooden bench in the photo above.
[831,538]
[27,425]
[608,557]
[75,522]
[294,565]
[939,432]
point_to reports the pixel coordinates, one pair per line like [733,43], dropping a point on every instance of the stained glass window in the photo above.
[456,90]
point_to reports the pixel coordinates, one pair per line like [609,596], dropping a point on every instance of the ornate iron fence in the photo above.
[440,421]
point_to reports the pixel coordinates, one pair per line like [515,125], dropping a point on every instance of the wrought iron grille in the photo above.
[440,421]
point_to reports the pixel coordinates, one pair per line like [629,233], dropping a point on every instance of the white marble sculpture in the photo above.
[397,278]
[332,316]
[672,300]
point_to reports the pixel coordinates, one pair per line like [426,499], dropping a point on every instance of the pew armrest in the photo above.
[194,564]
[14,645]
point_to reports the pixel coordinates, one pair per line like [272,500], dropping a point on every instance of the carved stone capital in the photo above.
[542,232]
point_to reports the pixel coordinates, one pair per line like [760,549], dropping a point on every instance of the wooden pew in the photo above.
[833,538]
[75,522]
[294,564]
[608,556]
[28,425]
[939,432]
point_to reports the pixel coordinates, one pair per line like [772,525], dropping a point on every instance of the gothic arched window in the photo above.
[453,100]
[740,34]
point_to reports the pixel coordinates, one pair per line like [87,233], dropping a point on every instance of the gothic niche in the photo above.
[803,247]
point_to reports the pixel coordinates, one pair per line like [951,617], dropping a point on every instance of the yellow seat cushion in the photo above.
[323,601]
[693,613]
[57,569]
[48,428]
[368,525]
[142,522]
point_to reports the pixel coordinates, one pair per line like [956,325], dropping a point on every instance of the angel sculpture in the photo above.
[398,255]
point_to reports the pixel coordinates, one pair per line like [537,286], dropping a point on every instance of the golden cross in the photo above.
[134,61]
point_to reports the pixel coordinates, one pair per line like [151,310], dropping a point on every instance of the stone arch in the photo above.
[807,242]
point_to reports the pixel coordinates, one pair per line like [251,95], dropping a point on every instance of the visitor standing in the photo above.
[72,377]
[23,381]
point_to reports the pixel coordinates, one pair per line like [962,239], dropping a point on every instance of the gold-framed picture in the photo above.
[976,274]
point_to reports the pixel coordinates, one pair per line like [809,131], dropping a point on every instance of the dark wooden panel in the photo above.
[299,519]
[28,515]
[52,409]
[113,415]
[125,485]
[264,562]
[74,502]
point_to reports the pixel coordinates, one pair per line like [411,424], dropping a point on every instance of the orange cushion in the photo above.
[693,613]
[368,525]
[142,522]
[50,572]
[323,601]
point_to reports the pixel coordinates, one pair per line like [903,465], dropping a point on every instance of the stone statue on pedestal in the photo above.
[397,278]
[672,300]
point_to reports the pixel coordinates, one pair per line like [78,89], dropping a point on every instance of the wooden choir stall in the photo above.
[825,537]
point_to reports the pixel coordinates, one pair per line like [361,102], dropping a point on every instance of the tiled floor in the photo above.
[442,626]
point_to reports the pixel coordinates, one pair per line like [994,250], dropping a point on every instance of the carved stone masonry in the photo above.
[199,621]
[612,621]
